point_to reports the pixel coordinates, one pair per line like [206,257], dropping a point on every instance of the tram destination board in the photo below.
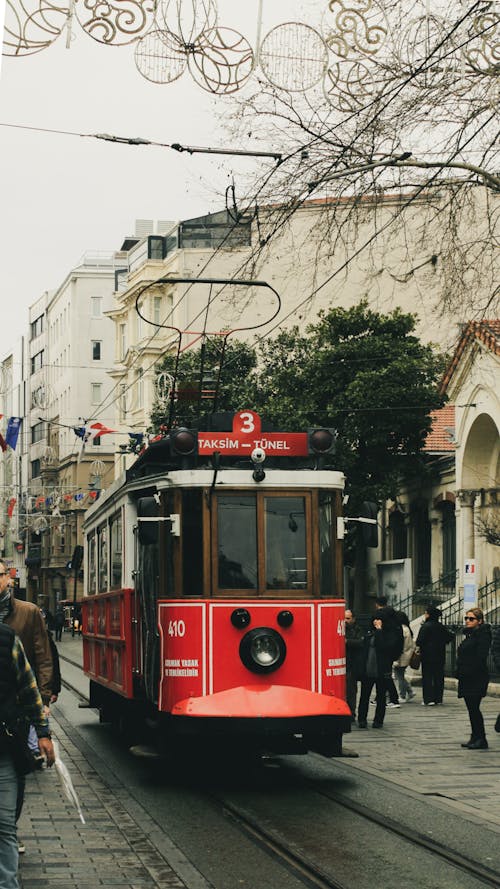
[246,435]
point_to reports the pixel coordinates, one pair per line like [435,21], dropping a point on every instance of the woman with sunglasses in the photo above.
[472,674]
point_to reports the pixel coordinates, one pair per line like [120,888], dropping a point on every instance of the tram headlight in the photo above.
[262,650]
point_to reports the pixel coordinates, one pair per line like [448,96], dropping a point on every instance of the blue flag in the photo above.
[12,433]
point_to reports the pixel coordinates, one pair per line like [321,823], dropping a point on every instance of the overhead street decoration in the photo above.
[360,42]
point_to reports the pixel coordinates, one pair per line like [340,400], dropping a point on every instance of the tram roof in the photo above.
[226,478]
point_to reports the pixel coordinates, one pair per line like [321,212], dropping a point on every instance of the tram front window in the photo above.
[237,543]
[286,553]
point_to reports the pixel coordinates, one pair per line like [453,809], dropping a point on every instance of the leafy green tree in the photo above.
[366,375]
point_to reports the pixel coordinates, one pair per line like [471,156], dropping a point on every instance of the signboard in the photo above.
[470,585]
[247,435]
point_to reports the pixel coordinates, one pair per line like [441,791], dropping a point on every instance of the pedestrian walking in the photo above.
[353,654]
[432,639]
[381,645]
[59,623]
[405,690]
[392,697]
[19,698]
[472,674]
[26,620]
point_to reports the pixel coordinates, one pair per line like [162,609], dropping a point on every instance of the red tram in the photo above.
[213,606]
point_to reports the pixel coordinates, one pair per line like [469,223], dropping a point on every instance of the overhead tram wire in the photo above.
[366,243]
[397,90]
[175,146]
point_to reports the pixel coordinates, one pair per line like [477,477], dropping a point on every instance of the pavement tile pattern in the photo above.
[122,847]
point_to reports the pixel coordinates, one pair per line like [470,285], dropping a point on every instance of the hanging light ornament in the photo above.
[293,57]
[32,25]
[115,22]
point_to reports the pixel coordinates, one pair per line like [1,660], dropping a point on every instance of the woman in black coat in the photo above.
[472,674]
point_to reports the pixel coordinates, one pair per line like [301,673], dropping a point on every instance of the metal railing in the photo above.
[439,590]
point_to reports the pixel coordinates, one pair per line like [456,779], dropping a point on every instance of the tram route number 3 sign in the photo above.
[247,434]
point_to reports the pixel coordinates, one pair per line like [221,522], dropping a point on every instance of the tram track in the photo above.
[472,868]
[314,876]
[307,873]
[298,864]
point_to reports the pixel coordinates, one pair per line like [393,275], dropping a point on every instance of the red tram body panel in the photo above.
[257,654]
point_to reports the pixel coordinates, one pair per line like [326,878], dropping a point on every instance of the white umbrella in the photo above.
[66,782]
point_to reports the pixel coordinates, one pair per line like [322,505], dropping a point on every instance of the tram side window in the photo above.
[327,538]
[237,542]
[91,562]
[286,553]
[116,551]
[102,566]
[192,542]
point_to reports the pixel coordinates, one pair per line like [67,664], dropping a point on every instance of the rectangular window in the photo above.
[35,468]
[263,542]
[37,327]
[102,566]
[92,565]
[96,350]
[156,247]
[116,551]
[37,432]
[285,534]
[37,362]
[157,310]
[96,306]
[237,542]
[95,393]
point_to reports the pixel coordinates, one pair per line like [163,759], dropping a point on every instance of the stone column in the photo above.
[467,501]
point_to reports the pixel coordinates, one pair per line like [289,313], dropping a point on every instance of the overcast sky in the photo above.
[62,196]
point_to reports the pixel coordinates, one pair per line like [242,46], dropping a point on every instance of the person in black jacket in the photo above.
[495,651]
[381,646]
[472,674]
[432,639]
[353,655]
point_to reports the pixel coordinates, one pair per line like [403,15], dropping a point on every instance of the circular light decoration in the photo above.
[220,61]
[359,27]
[42,396]
[348,86]
[32,25]
[160,57]
[482,51]
[293,57]
[423,44]
[186,19]
[115,22]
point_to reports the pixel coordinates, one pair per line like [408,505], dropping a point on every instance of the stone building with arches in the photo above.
[450,514]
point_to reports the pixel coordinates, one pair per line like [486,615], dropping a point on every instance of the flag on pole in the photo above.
[12,433]
[10,508]
[95,431]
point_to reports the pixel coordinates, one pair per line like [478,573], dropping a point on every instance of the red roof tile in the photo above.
[442,435]
[487,332]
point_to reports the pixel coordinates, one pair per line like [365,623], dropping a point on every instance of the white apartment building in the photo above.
[62,382]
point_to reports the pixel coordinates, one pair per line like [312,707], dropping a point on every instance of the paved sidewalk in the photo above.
[122,847]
